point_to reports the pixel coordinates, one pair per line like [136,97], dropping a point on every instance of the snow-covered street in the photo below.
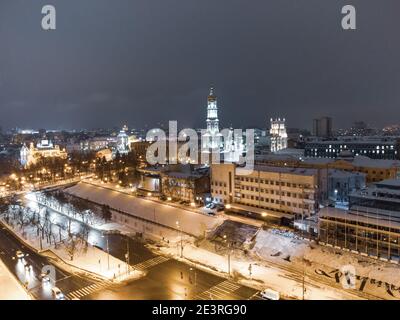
[53,236]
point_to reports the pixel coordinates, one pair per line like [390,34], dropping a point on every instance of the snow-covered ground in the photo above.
[10,288]
[285,249]
[85,257]
[189,222]
[261,277]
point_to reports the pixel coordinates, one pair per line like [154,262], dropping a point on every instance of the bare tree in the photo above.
[72,246]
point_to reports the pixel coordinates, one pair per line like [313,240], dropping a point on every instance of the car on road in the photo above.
[269,294]
[57,293]
[28,267]
[211,206]
[45,277]
[208,210]
[19,254]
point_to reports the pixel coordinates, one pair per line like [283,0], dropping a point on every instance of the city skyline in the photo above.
[143,63]
[212,154]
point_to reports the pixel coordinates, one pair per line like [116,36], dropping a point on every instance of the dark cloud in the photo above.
[141,62]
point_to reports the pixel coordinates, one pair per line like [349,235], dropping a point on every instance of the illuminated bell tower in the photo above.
[212,113]
[212,134]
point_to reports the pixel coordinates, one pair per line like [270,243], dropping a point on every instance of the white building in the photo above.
[44,149]
[233,147]
[230,147]
[123,142]
[278,134]
[212,138]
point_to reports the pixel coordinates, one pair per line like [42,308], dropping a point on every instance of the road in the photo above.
[165,278]
[169,279]
[65,281]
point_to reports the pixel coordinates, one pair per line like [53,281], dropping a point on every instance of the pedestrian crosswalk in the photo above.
[78,294]
[223,290]
[150,263]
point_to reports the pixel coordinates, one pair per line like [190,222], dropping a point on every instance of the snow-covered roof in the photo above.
[344,174]
[288,170]
[389,183]
[357,161]
[362,161]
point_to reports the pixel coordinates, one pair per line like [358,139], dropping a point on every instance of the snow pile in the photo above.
[273,243]
[298,254]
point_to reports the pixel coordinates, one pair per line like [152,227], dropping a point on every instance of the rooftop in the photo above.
[287,170]
[359,217]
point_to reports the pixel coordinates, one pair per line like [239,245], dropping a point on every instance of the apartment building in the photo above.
[276,191]
[372,147]
[374,169]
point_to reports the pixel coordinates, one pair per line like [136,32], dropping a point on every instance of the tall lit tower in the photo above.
[212,136]
[278,134]
[212,113]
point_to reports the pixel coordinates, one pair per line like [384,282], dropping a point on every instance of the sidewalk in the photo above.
[10,287]
[262,277]
[88,258]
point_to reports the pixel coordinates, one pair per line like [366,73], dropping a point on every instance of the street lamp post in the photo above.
[108,250]
[229,254]
[127,256]
[180,231]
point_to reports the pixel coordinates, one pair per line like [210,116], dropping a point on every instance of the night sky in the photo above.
[112,62]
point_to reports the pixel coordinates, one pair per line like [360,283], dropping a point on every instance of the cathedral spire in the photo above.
[211,96]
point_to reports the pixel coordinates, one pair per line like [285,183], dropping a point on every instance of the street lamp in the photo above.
[127,256]
[229,255]
[180,230]
[108,250]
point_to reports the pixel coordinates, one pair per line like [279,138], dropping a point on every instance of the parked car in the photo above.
[270,294]
[211,206]
[57,293]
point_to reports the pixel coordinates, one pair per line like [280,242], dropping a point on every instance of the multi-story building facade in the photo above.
[176,182]
[191,187]
[97,143]
[374,169]
[278,134]
[322,127]
[372,224]
[286,192]
[378,148]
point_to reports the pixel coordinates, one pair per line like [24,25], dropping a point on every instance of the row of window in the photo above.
[276,192]
[218,183]
[273,182]
[306,209]
[275,201]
